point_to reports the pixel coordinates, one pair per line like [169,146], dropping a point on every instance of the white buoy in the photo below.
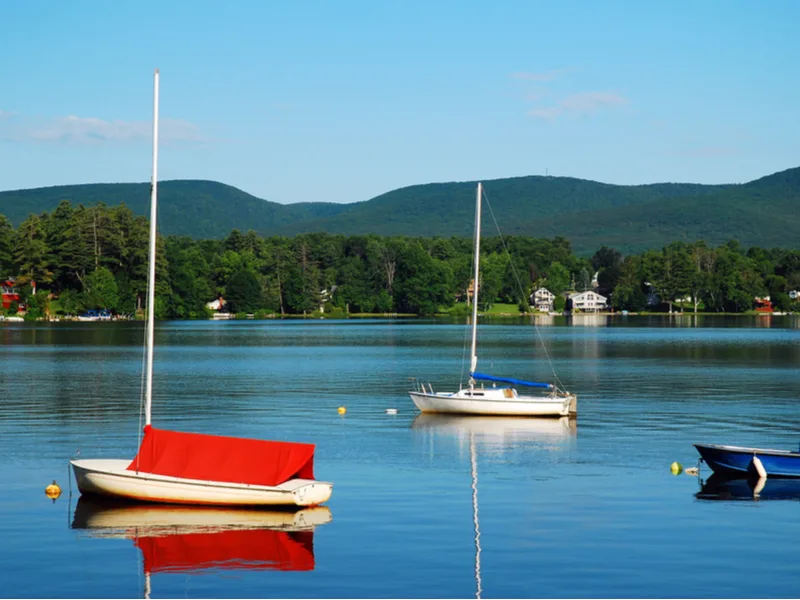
[759,467]
[391,411]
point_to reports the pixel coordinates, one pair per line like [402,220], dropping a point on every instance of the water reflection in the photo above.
[484,434]
[589,319]
[497,433]
[721,488]
[192,539]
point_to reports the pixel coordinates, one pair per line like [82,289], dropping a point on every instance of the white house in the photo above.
[217,304]
[325,297]
[589,302]
[542,299]
[794,294]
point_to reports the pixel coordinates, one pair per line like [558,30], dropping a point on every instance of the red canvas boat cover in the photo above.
[220,458]
[228,549]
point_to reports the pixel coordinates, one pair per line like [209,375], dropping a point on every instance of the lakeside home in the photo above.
[543,299]
[589,302]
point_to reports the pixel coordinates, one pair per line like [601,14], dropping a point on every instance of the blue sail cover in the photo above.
[483,377]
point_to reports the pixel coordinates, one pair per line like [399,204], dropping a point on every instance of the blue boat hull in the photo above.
[736,461]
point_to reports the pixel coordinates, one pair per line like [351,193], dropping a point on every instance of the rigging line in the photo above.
[521,292]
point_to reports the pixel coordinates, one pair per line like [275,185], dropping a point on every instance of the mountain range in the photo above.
[630,218]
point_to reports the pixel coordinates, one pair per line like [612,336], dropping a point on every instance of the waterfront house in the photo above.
[589,302]
[542,299]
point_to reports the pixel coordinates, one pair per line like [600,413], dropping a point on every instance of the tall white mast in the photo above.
[476,261]
[151,275]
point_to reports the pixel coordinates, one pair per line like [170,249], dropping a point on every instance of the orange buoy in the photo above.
[52,491]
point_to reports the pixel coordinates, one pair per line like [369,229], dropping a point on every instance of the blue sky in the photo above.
[342,101]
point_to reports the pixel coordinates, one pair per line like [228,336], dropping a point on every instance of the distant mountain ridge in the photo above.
[763,212]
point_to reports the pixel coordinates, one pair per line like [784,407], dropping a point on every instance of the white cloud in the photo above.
[712,151]
[579,104]
[91,130]
[549,113]
[545,76]
[589,102]
[575,105]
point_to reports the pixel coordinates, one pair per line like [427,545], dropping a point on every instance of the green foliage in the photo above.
[6,246]
[71,302]
[244,292]
[30,252]
[590,214]
[558,278]
[97,258]
[38,306]
[101,290]
[424,283]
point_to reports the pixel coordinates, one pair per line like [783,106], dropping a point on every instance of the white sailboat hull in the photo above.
[110,477]
[495,401]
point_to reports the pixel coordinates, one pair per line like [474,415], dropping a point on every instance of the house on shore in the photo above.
[543,300]
[589,302]
[219,309]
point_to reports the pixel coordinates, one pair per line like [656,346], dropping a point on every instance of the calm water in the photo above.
[564,509]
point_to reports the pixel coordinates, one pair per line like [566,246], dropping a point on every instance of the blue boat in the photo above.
[737,461]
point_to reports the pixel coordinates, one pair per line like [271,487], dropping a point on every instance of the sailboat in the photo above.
[193,539]
[194,468]
[478,399]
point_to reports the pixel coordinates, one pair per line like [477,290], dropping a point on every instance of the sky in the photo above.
[342,101]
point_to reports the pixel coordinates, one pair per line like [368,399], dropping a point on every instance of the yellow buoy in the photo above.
[342,410]
[676,468]
[52,491]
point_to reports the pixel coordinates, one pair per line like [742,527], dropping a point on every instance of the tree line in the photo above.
[96,257]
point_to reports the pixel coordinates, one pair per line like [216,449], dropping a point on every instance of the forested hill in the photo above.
[763,212]
[197,208]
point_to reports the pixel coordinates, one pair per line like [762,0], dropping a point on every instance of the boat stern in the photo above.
[572,408]
[311,493]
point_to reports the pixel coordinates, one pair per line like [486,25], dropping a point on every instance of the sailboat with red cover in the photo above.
[194,468]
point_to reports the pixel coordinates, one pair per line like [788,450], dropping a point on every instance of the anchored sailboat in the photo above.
[477,399]
[194,468]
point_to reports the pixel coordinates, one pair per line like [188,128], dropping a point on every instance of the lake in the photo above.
[583,508]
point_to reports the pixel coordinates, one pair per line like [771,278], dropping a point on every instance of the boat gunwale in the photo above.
[295,484]
[749,450]
[517,399]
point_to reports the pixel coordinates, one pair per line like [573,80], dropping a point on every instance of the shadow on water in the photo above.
[722,488]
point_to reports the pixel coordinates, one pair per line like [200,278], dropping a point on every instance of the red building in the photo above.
[764,305]
[10,293]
